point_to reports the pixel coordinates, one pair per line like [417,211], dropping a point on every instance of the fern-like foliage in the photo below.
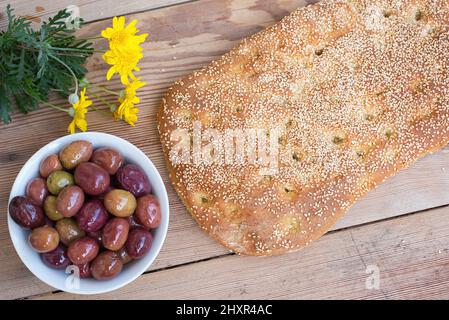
[35,62]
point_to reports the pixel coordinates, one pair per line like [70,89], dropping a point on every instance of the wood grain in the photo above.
[410,254]
[94,10]
[178,46]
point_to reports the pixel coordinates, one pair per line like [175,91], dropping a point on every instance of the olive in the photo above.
[123,255]
[106,265]
[108,158]
[69,201]
[75,153]
[148,211]
[44,239]
[57,258]
[138,243]
[58,180]
[68,230]
[115,233]
[50,208]
[92,178]
[49,164]
[37,190]
[92,216]
[84,270]
[120,203]
[132,178]
[83,250]
[26,212]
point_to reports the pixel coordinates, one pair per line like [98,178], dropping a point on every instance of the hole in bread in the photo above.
[389,133]
[202,199]
[289,123]
[360,153]
[289,192]
[418,14]
[369,117]
[282,140]
[387,13]
[319,51]
[338,139]
[296,156]
[184,114]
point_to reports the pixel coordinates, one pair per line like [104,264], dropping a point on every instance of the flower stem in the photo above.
[101,99]
[105,89]
[53,106]
[68,68]
[92,38]
[72,49]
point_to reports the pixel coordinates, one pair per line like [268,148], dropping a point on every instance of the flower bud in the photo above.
[73,98]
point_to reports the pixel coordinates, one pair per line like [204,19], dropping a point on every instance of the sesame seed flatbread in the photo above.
[359,90]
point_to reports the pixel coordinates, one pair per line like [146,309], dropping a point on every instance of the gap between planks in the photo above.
[90,11]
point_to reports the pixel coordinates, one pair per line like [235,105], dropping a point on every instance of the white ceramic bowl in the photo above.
[66,281]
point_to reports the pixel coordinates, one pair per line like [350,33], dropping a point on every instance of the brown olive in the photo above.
[50,208]
[115,233]
[139,242]
[26,212]
[58,180]
[148,211]
[69,201]
[68,230]
[106,266]
[83,250]
[37,190]
[92,178]
[44,239]
[124,256]
[75,153]
[108,158]
[120,203]
[49,164]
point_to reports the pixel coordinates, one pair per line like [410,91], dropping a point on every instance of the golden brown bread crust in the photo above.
[361,88]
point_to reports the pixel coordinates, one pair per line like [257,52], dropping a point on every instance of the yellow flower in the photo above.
[122,37]
[78,112]
[131,90]
[124,51]
[127,109]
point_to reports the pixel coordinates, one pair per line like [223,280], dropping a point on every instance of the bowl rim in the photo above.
[163,200]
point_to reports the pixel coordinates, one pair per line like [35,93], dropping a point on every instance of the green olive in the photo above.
[58,180]
[50,209]
[68,230]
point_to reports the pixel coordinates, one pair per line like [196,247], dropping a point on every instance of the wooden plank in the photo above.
[410,254]
[184,45]
[89,10]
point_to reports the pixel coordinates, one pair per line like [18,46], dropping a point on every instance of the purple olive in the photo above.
[92,216]
[133,179]
[138,243]
[26,213]
[56,259]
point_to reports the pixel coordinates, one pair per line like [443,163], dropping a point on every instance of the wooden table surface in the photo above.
[400,231]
